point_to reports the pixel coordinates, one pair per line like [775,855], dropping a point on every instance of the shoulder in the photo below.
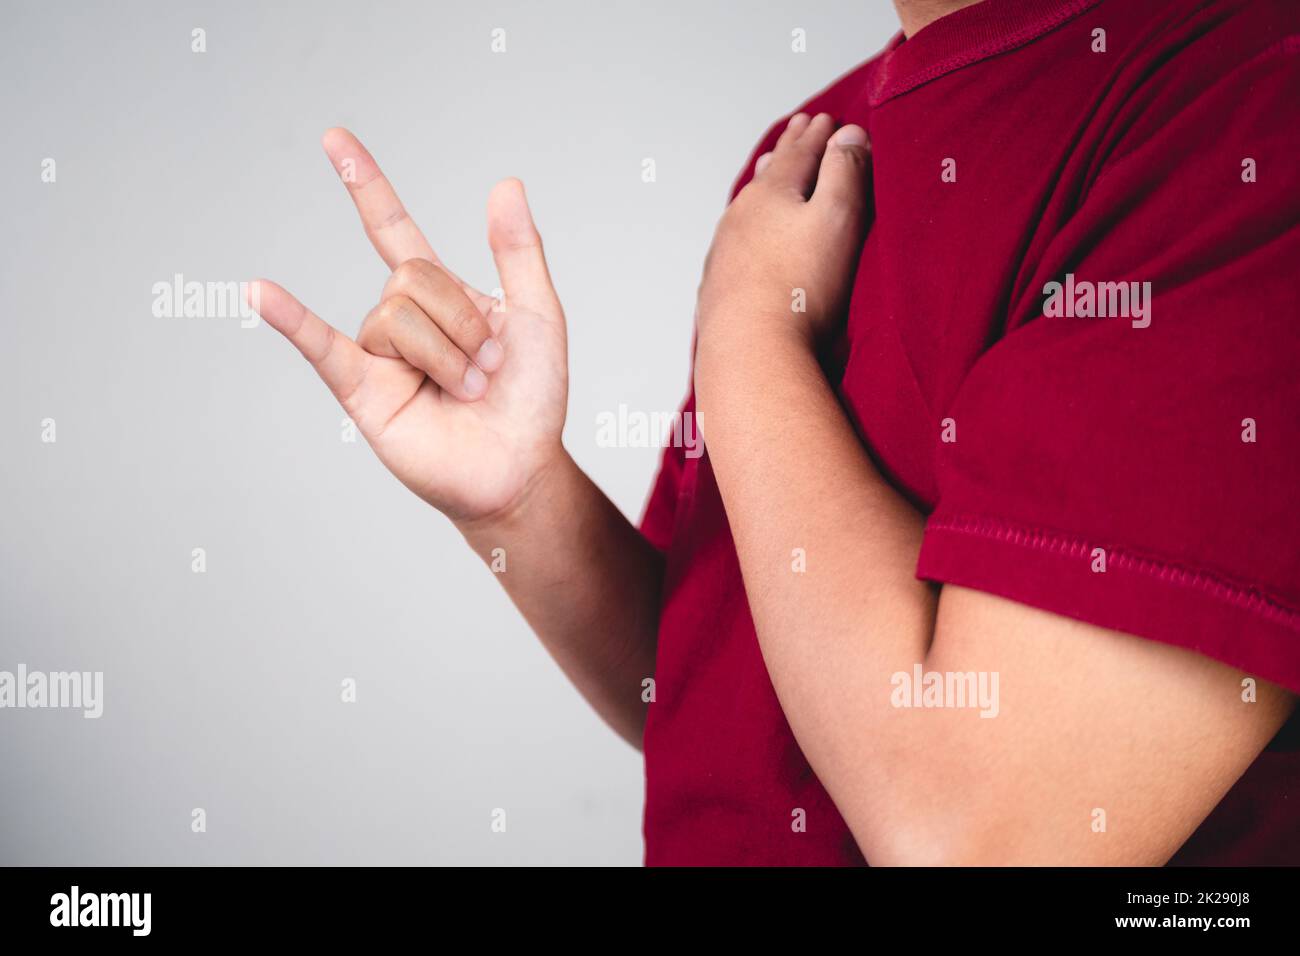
[1190,51]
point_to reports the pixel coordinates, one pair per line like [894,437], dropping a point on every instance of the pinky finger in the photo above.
[338,360]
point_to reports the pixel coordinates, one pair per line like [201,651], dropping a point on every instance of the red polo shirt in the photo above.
[1019,143]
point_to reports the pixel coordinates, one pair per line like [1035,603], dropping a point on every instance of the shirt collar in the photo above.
[964,37]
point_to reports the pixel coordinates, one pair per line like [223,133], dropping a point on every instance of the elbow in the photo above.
[947,840]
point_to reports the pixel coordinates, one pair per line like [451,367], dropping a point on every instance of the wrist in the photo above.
[731,352]
[551,484]
[738,330]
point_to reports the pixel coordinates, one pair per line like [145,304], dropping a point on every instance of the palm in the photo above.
[467,458]
[470,458]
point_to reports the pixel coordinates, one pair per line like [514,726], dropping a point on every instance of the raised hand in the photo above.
[461,398]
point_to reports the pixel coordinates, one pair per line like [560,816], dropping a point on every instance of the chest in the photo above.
[945,270]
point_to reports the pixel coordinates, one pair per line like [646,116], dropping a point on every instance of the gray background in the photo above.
[222,690]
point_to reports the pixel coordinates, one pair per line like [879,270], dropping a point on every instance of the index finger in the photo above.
[391,229]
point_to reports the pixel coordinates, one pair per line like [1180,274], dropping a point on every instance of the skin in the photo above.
[490,460]
[915,14]
[1089,718]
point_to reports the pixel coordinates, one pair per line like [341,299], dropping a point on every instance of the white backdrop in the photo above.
[222,688]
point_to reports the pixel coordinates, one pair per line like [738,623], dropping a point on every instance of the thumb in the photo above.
[844,177]
[517,249]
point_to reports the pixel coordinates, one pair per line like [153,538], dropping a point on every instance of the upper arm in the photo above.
[1106,749]
[1115,531]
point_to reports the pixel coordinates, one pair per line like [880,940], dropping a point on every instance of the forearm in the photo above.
[1096,724]
[793,474]
[943,785]
[588,584]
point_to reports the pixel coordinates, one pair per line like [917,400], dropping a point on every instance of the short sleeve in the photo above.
[1141,472]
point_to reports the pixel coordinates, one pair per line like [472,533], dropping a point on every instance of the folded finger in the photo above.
[443,300]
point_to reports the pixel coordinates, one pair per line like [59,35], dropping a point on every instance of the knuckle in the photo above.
[395,309]
[464,323]
[394,312]
[445,361]
[404,273]
[522,240]
[370,332]
[409,272]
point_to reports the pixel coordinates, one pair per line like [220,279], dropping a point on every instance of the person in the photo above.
[991,554]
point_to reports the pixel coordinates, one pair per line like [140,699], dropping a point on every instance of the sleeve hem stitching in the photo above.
[1218,586]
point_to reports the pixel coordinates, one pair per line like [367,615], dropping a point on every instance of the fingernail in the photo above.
[761,163]
[490,356]
[850,136]
[475,382]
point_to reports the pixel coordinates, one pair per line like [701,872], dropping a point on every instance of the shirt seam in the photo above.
[896,87]
[1219,586]
[1289,45]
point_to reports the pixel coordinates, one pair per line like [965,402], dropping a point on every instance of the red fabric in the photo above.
[1072,433]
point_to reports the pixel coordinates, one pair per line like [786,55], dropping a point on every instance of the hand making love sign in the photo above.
[461,398]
